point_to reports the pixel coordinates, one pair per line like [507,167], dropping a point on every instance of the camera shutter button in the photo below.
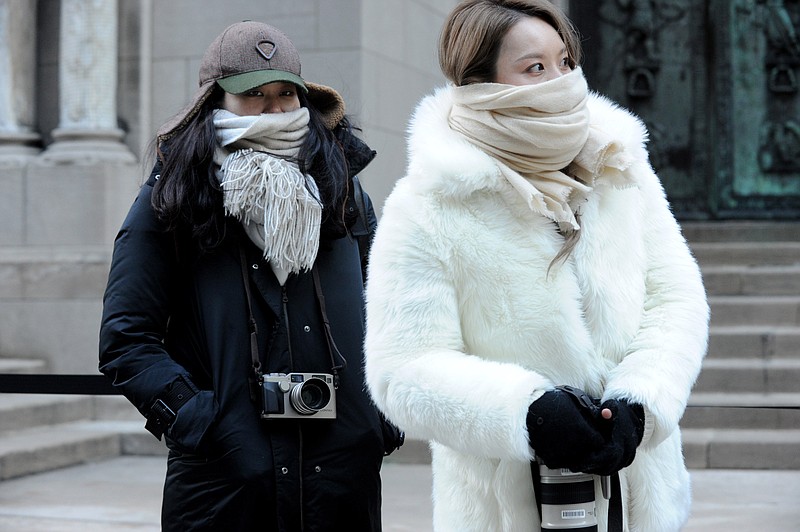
[285,387]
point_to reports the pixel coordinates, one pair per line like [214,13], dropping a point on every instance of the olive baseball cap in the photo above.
[246,55]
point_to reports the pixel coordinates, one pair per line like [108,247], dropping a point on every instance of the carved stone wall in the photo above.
[105,82]
[18,137]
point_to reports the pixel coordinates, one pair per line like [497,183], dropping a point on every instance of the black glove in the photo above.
[563,432]
[393,437]
[623,433]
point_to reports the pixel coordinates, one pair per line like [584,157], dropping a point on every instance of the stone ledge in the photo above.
[754,341]
[737,231]
[752,280]
[20,411]
[742,449]
[755,310]
[746,253]
[22,365]
[718,410]
[743,375]
[34,450]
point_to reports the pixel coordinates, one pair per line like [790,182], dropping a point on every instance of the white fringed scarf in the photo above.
[535,132]
[264,189]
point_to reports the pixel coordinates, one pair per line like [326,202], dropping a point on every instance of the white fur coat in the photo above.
[466,326]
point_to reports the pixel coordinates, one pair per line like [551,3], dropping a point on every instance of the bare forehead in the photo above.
[532,35]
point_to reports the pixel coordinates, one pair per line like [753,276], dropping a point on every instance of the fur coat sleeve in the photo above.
[468,323]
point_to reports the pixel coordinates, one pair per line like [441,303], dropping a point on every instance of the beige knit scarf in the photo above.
[535,132]
[264,189]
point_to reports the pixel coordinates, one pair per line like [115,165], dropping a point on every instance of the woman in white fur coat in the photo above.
[530,246]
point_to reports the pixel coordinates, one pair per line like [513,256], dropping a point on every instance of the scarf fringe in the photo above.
[603,155]
[277,204]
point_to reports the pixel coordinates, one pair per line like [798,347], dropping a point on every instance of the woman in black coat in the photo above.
[240,265]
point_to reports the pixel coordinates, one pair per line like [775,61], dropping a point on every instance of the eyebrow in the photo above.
[539,55]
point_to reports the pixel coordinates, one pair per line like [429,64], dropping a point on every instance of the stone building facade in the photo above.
[84,85]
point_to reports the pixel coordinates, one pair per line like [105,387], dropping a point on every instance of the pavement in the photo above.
[124,494]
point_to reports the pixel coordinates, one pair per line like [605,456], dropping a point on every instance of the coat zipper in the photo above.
[300,462]
[285,300]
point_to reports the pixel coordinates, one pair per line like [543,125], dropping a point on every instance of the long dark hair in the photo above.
[188,197]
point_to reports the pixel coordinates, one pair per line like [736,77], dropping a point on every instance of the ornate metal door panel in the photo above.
[716,82]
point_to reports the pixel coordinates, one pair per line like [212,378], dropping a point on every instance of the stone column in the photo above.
[18,139]
[87,131]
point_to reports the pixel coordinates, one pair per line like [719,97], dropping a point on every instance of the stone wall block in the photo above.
[65,205]
[12,204]
[63,332]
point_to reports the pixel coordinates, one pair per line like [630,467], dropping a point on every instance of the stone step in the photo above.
[742,411]
[134,439]
[746,253]
[115,408]
[38,449]
[33,450]
[22,365]
[755,310]
[750,341]
[703,448]
[741,449]
[412,452]
[741,231]
[21,411]
[752,280]
[742,375]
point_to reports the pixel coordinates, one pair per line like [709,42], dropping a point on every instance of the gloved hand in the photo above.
[563,433]
[393,437]
[623,433]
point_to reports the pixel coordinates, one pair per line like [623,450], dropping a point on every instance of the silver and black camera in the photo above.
[567,500]
[298,395]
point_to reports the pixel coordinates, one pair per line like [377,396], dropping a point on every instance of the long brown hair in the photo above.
[473,33]
[470,42]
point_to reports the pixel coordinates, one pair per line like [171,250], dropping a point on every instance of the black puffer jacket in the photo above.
[172,314]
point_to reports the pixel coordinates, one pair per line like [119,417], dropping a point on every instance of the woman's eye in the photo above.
[287,93]
[253,94]
[538,67]
[565,62]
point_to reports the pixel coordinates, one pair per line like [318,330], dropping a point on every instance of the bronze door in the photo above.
[717,84]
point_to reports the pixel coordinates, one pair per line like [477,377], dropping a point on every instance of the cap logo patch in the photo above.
[267,49]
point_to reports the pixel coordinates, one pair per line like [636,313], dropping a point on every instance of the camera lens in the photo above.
[311,396]
[567,500]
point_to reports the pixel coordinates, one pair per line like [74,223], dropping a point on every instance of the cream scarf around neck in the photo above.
[264,189]
[535,132]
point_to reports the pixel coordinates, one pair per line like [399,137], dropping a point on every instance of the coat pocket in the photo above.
[192,423]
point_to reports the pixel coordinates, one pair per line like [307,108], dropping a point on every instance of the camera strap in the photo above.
[328,335]
[333,350]
[615,505]
[256,376]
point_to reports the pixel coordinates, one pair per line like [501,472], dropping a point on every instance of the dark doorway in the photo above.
[716,82]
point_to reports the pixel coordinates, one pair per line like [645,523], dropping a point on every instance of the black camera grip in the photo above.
[273,398]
